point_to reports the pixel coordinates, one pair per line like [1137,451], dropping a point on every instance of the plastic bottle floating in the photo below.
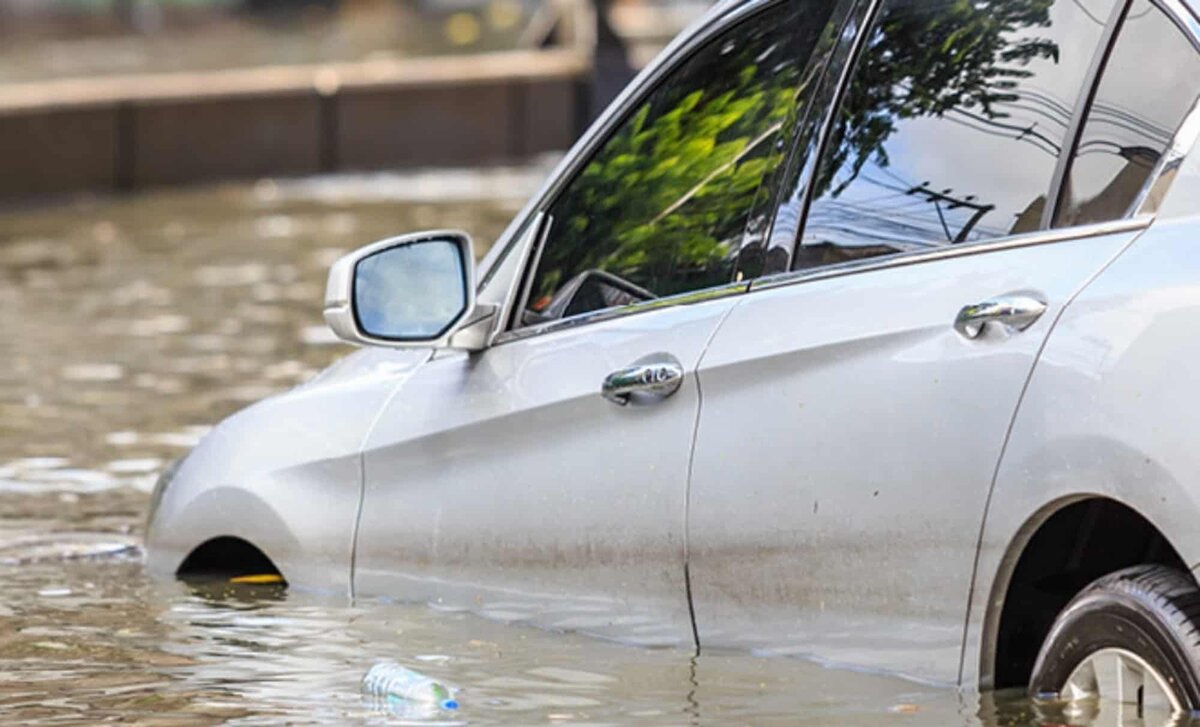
[405,690]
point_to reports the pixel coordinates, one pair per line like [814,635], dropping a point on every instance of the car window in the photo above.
[951,126]
[1150,82]
[660,208]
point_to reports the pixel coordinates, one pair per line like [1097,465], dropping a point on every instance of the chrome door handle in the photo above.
[652,378]
[1016,312]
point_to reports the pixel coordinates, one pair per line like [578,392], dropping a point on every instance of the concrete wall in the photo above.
[51,151]
[104,135]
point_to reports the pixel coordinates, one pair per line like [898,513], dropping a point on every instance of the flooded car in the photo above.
[855,329]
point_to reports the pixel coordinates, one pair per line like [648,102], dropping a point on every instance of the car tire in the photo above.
[1142,622]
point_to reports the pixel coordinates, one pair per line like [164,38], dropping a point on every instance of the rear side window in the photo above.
[1149,84]
[952,125]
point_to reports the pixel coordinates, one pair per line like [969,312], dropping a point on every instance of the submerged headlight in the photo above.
[160,488]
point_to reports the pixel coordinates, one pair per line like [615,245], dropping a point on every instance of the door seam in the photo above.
[362,468]
[687,502]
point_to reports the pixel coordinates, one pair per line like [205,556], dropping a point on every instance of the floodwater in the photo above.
[131,326]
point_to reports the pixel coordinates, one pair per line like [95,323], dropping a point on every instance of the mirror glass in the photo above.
[412,292]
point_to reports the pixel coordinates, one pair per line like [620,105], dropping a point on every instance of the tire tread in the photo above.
[1162,594]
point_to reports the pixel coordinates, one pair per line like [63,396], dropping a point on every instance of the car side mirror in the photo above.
[414,291]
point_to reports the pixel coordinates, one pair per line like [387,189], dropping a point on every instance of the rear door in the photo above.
[855,408]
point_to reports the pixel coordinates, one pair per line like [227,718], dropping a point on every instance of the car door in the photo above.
[504,482]
[854,409]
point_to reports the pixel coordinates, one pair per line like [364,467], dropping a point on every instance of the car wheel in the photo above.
[1130,640]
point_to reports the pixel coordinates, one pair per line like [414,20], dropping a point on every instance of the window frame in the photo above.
[1185,137]
[1138,217]
[723,18]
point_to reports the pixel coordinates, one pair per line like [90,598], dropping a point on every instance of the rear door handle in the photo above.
[1015,312]
[646,380]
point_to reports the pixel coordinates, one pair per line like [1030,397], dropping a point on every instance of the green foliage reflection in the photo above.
[664,202]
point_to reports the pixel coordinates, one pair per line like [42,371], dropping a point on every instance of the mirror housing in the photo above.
[414,291]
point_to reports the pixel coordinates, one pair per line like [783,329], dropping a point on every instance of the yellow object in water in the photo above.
[262,579]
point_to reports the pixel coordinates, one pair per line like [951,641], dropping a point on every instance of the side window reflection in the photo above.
[660,209]
[1150,82]
[951,127]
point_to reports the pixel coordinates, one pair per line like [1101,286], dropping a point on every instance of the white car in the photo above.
[864,330]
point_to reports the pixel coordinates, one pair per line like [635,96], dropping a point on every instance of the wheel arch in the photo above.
[227,531]
[1053,556]
[226,556]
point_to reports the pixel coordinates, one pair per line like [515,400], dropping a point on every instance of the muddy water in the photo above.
[128,328]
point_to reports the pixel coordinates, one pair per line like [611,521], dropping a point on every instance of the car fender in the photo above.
[284,474]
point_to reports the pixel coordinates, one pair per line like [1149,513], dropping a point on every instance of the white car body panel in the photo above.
[848,434]
[503,483]
[284,474]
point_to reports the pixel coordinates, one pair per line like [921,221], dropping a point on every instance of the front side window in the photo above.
[951,127]
[661,207]
[1149,84]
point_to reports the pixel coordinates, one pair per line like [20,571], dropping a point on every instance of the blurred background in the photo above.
[120,95]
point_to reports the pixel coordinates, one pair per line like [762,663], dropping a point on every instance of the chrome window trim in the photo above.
[905,259]
[1134,224]
[607,314]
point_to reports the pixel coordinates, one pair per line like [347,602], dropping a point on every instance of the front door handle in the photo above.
[1015,312]
[648,379]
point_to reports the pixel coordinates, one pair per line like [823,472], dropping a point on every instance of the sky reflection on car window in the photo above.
[952,125]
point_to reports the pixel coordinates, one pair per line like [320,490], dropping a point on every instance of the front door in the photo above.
[545,479]
[506,484]
[855,410]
